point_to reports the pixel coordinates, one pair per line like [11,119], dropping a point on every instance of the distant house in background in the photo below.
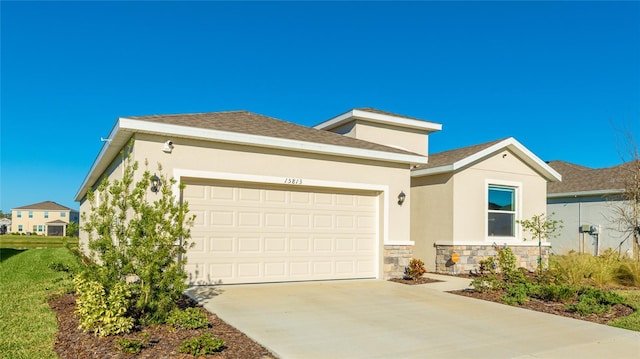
[585,202]
[5,225]
[44,218]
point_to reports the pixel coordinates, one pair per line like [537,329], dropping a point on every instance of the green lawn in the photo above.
[27,324]
[631,322]
[29,242]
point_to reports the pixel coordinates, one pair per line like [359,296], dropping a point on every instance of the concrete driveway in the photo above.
[381,319]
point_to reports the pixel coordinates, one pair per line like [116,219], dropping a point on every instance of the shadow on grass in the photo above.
[6,253]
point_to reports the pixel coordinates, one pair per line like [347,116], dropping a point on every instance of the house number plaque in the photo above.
[293,180]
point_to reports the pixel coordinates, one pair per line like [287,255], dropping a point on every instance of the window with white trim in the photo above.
[502,215]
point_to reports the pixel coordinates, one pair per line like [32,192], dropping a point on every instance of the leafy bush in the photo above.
[415,270]
[130,346]
[190,318]
[132,234]
[517,293]
[203,344]
[594,301]
[103,313]
[554,292]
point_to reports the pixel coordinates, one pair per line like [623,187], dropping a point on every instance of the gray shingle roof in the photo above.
[576,178]
[254,124]
[453,156]
[47,206]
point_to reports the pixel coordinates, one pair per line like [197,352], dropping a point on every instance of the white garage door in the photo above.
[255,233]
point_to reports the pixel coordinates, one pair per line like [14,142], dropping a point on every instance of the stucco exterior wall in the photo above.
[470,195]
[593,211]
[431,215]
[408,139]
[450,210]
[307,170]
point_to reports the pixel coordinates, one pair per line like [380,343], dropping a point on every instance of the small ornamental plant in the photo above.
[415,270]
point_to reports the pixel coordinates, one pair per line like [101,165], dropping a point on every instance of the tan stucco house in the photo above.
[276,201]
[45,218]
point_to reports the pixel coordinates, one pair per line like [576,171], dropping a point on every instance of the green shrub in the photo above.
[517,293]
[59,267]
[595,301]
[130,346]
[415,270]
[103,313]
[190,318]
[203,344]
[555,292]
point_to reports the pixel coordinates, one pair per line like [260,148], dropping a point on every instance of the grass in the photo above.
[30,242]
[27,324]
[631,322]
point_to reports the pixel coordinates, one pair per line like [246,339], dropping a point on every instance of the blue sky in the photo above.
[558,76]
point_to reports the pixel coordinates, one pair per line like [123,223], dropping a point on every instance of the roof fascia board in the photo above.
[125,127]
[549,173]
[266,141]
[106,147]
[378,118]
[585,193]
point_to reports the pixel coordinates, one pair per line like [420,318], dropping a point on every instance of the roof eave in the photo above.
[125,128]
[593,193]
[524,154]
[378,118]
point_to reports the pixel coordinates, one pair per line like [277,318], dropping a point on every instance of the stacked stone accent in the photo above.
[471,255]
[396,259]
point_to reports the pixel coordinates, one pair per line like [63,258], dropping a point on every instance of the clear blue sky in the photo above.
[557,76]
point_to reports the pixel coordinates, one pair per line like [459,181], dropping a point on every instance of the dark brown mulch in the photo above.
[163,340]
[421,280]
[555,308]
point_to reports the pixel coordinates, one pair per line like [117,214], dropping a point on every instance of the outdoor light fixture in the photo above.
[155,184]
[167,147]
[401,198]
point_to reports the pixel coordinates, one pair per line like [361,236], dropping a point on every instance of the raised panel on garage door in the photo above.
[253,234]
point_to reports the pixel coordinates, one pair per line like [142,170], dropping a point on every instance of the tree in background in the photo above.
[136,237]
[627,212]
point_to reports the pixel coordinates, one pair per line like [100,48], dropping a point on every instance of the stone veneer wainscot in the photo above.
[396,259]
[471,255]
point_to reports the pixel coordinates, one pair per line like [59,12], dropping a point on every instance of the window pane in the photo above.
[501,224]
[502,198]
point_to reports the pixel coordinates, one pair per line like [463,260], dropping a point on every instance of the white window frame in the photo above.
[517,231]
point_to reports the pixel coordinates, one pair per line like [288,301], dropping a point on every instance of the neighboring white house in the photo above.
[276,201]
[585,201]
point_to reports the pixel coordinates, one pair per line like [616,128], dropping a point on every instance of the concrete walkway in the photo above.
[381,319]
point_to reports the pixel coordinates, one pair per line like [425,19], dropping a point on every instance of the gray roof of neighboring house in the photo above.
[254,124]
[47,206]
[581,179]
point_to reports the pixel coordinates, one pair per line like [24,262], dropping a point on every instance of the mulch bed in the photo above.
[617,311]
[163,340]
[421,280]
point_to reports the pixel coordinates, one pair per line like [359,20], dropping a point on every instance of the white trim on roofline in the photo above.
[265,141]
[379,118]
[528,156]
[585,193]
[125,128]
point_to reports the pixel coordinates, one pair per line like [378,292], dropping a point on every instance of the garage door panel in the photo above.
[256,234]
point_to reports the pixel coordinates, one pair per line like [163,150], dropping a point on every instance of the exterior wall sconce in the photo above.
[167,147]
[155,184]
[401,198]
